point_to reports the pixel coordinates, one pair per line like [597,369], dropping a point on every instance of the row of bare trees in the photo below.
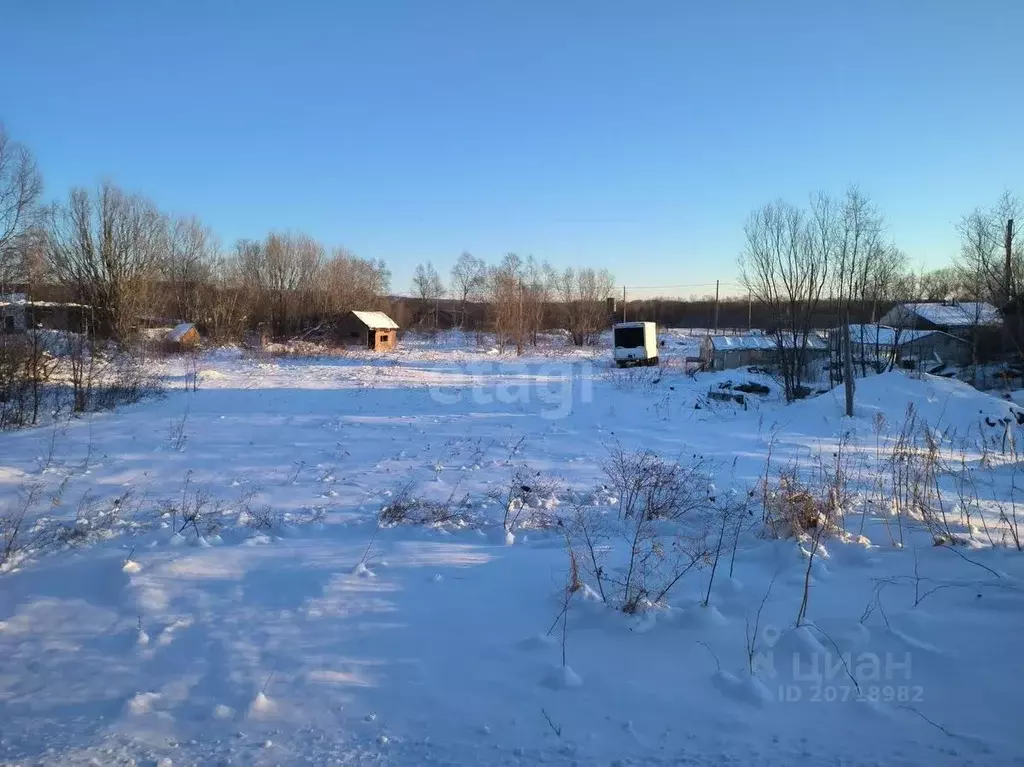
[522,296]
[133,264]
[836,252]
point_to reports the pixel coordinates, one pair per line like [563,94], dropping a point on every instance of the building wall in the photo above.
[384,340]
[12,318]
[947,348]
[351,332]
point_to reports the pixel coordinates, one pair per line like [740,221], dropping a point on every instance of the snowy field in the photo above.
[224,593]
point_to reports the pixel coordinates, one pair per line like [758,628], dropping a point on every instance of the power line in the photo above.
[689,285]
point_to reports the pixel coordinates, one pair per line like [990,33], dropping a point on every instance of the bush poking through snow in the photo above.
[647,484]
[658,520]
[525,499]
[262,518]
[404,509]
[18,534]
[195,509]
[23,532]
[792,508]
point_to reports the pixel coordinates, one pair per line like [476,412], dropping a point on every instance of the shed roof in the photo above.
[19,299]
[755,342]
[376,320]
[179,331]
[883,335]
[952,314]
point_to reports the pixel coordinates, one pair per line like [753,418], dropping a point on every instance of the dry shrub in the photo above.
[405,509]
[524,499]
[661,524]
[791,508]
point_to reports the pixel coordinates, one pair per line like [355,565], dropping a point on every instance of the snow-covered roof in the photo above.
[755,342]
[179,331]
[883,335]
[376,320]
[955,315]
[19,299]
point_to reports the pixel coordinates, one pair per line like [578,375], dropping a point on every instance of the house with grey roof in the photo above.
[956,317]
[883,347]
[977,322]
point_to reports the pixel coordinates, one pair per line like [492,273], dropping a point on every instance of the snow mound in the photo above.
[143,703]
[727,586]
[943,403]
[538,642]
[748,689]
[562,678]
[701,617]
[362,571]
[262,706]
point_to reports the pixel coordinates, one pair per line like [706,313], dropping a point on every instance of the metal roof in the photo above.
[179,332]
[883,335]
[754,342]
[954,315]
[376,320]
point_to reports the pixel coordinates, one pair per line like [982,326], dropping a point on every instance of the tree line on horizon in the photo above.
[804,267]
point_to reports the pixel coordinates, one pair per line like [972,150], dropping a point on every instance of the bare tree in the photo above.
[786,270]
[856,228]
[281,272]
[226,302]
[505,296]
[583,294]
[983,251]
[428,287]
[469,276]
[20,187]
[191,249]
[539,280]
[108,246]
[349,282]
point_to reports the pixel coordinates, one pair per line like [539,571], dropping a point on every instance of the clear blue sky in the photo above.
[631,135]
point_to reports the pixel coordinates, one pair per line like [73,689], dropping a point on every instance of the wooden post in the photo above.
[848,364]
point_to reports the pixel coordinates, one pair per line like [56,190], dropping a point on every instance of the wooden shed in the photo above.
[182,338]
[372,330]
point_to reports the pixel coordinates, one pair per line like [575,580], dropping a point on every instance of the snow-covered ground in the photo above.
[286,626]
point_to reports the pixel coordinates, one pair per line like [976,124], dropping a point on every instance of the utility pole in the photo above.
[623,303]
[750,310]
[716,307]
